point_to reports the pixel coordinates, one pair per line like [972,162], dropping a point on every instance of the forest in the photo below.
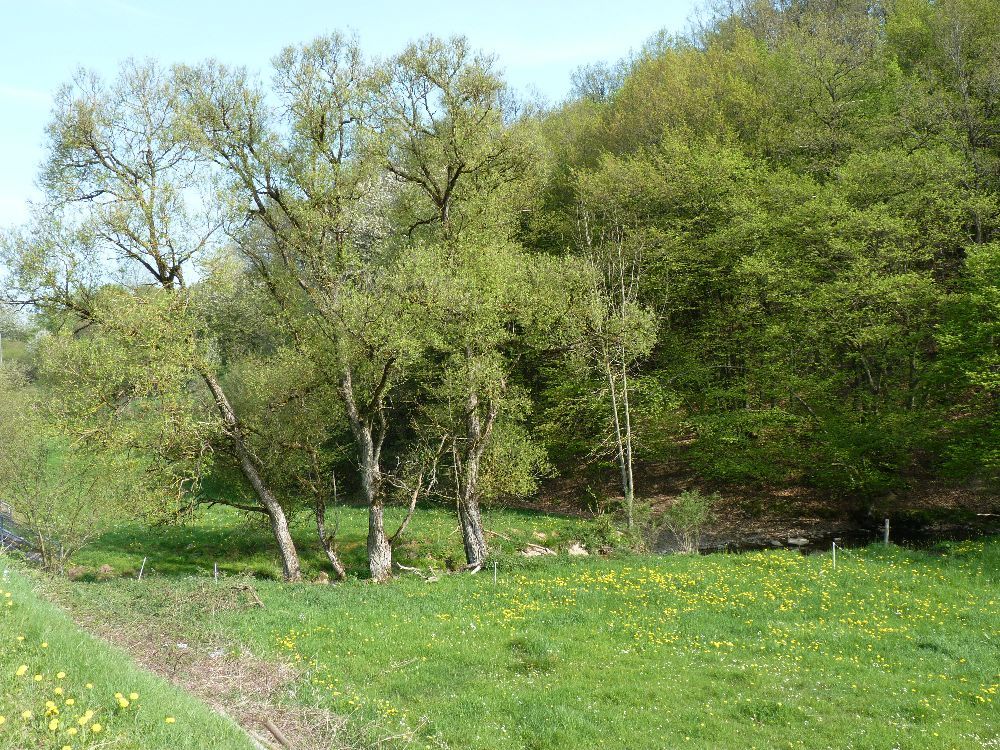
[765,250]
[392,324]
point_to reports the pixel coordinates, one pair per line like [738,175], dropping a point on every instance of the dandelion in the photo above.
[96,728]
[53,725]
[61,675]
[27,715]
[133,696]
[168,720]
[22,670]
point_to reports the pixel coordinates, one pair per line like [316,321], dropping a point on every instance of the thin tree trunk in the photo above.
[469,513]
[279,522]
[329,544]
[630,479]
[624,456]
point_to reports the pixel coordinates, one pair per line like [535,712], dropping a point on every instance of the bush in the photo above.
[63,495]
[687,516]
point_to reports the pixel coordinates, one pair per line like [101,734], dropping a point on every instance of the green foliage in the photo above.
[64,494]
[687,515]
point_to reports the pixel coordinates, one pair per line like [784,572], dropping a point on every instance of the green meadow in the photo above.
[893,648]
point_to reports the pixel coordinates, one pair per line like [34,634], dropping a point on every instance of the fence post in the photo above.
[885,533]
[834,555]
[142,568]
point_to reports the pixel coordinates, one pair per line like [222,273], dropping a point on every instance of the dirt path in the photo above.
[248,690]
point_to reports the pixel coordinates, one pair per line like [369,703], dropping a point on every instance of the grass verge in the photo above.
[61,688]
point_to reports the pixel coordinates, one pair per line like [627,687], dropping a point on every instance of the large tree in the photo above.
[125,219]
[310,216]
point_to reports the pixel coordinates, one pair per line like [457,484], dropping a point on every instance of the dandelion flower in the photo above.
[53,725]
[22,670]
[168,720]
[26,715]
[96,728]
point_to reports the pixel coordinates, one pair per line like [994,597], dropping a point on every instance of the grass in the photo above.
[241,543]
[60,688]
[893,649]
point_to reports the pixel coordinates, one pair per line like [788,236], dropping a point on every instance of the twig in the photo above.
[253,594]
[282,740]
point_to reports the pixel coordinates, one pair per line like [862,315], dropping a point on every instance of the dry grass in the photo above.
[232,681]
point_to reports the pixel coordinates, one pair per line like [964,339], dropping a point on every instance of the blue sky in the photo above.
[42,42]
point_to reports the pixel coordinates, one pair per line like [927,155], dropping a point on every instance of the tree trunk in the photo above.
[624,451]
[279,522]
[329,545]
[472,532]
[469,514]
[379,549]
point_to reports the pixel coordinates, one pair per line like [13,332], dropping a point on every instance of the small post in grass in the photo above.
[885,532]
[494,572]
[834,555]
[216,572]
[142,568]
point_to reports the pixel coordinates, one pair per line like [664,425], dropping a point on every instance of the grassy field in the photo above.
[60,688]
[893,649]
[242,545]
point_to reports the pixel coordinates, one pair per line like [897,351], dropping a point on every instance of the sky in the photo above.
[42,42]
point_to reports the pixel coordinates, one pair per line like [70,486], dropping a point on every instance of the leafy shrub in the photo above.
[687,516]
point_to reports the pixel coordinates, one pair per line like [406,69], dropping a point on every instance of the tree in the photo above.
[121,183]
[617,332]
[310,218]
[443,131]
